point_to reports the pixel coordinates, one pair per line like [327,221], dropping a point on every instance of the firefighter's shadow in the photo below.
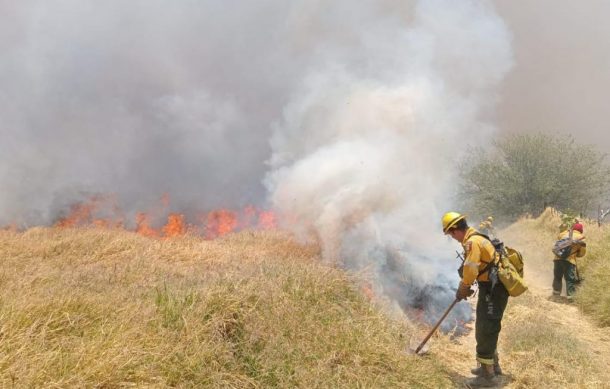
[461,381]
[560,300]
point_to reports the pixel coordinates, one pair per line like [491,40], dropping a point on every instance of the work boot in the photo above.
[497,369]
[487,379]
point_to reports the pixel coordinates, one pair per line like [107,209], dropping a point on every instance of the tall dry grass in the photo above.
[593,296]
[100,308]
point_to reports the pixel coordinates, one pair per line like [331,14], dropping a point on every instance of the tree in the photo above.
[526,173]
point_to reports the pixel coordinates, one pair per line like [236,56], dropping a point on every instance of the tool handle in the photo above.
[417,350]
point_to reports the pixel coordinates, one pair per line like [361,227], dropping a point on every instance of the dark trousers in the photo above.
[490,310]
[567,270]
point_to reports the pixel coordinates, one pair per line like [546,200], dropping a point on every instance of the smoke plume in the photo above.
[365,156]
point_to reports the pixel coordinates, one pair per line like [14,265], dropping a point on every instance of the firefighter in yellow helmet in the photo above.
[479,258]
[486,227]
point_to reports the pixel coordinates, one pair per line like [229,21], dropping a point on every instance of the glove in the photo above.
[463,291]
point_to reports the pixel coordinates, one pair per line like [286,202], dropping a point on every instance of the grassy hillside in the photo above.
[109,309]
[93,307]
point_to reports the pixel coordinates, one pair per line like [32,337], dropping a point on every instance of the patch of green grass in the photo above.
[171,308]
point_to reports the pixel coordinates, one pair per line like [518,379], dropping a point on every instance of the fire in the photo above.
[79,214]
[143,226]
[250,214]
[211,225]
[220,223]
[175,225]
[266,220]
[102,223]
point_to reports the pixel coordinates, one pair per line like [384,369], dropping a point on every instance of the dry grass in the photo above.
[593,297]
[99,308]
[543,349]
[102,308]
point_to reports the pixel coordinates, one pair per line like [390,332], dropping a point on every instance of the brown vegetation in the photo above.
[95,307]
[104,308]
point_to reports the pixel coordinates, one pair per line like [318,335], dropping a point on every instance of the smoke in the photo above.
[364,159]
[560,84]
[139,99]
[347,117]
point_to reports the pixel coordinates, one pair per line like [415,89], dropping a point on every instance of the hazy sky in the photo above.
[560,81]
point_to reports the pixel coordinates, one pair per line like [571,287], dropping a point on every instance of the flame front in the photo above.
[175,225]
[211,225]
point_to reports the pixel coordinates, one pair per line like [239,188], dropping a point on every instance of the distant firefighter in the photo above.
[486,226]
[570,245]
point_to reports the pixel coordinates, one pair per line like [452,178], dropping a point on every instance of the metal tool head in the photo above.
[414,343]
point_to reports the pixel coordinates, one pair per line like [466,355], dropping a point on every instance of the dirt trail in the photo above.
[459,355]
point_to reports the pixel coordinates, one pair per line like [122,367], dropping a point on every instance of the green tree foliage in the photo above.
[525,173]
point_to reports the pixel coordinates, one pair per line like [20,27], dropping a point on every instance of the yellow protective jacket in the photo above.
[478,252]
[578,249]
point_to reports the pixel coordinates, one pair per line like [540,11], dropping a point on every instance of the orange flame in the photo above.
[143,227]
[79,214]
[101,223]
[211,224]
[220,223]
[266,220]
[175,225]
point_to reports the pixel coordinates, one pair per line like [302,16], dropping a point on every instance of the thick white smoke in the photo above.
[365,157]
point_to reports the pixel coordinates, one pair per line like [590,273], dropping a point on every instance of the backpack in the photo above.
[508,269]
[563,248]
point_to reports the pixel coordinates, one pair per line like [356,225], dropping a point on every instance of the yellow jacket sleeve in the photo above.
[471,264]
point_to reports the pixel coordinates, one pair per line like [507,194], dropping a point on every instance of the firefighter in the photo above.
[566,267]
[486,226]
[479,257]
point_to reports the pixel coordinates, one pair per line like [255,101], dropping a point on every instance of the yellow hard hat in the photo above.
[490,218]
[450,219]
